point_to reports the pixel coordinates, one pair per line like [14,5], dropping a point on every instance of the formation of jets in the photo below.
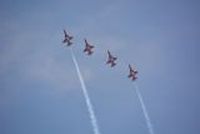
[111,60]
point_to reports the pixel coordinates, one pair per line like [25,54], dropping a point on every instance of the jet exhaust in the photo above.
[148,121]
[86,96]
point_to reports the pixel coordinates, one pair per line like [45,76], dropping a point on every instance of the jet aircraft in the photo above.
[132,73]
[88,48]
[67,39]
[111,59]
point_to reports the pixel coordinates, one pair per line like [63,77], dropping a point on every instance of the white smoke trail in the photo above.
[148,121]
[87,98]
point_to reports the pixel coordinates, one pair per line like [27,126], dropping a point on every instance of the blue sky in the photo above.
[40,92]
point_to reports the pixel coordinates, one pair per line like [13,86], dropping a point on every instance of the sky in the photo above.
[40,92]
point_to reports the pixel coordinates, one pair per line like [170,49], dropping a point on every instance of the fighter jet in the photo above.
[67,39]
[132,73]
[88,48]
[111,59]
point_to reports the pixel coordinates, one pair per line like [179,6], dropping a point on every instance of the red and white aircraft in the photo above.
[111,59]
[132,73]
[67,39]
[88,48]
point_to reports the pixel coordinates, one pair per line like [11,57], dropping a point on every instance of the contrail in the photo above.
[148,121]
[87,98]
